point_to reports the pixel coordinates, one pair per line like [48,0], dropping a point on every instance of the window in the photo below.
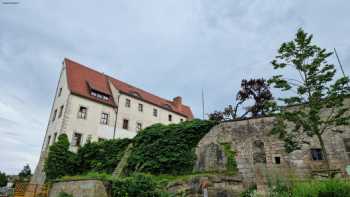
[155,112]
[138,126]
[59,92]
[61,112]
[104,118]
[140,107]
[82,112]
[316,154]
[167,106]
[99,95]
[77,139]
[126,124]
[127,103]
[54,137]
[54,115]
[170,117]
[347,146]
[181,120]
[277,160]
[89,139]
[48,140]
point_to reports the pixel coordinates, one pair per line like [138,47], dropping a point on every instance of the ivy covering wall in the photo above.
[158,149]
[101,156]
[167,149]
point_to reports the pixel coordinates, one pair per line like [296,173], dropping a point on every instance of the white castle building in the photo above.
[90,105]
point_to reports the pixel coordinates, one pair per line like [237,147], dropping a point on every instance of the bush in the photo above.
[64,194]
[3,179]
[161,149]
[250,192]
[231,164]
[60,160]
[324,188]
[101,156]
[136,185]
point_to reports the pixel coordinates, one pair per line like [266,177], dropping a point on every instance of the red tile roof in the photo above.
[81,79]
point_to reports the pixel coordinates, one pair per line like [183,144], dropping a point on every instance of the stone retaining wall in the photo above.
[253,144]
[85,188]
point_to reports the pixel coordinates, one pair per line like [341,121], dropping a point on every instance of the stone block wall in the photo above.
[84,188]
[254,145]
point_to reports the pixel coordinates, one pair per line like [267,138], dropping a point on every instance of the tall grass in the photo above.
[321,188]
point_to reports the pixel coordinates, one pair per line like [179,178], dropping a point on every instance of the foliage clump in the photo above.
[254,91]
[3,179]
[136,185]
[161,149]
[310,188]
[231,164]
[60,160]
[25,173]
[101,156]
[158,149]
[325,188]
[64,194]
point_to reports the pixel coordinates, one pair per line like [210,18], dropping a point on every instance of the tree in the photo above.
[256,90]
[318,97]
[216,116]
[60,160]
[25,173]
[3,179]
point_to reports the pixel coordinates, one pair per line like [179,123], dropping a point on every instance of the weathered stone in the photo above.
[86,188]
[218,185]
[253,144]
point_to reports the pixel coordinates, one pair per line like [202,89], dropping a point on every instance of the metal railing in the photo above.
[23,189]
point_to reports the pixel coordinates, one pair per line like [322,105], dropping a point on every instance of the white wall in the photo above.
[134,116]
[91,125]
[56,125]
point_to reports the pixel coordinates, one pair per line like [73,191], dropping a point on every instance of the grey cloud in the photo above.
[167,47]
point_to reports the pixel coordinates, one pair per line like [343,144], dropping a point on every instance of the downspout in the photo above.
[116,117]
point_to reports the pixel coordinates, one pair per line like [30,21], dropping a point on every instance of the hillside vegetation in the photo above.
[158,149]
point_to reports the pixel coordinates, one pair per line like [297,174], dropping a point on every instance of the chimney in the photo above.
[177,101]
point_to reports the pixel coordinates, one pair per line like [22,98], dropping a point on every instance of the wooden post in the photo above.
[35,188]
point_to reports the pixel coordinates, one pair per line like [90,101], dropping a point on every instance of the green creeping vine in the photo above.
[231,164]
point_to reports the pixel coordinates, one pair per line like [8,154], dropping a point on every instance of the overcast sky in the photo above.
[169,48]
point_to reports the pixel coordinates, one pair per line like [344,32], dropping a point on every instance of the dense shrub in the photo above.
[136,185]
[312,188]
[3,179]
[101,156]
[161,149]
[231,164]
[325,188]
[158,149]
[60,160]
[64,194]
[250,192]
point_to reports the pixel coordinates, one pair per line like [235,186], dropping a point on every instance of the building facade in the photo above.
[92,106]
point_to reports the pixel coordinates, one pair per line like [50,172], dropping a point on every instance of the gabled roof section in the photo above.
[82,79]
